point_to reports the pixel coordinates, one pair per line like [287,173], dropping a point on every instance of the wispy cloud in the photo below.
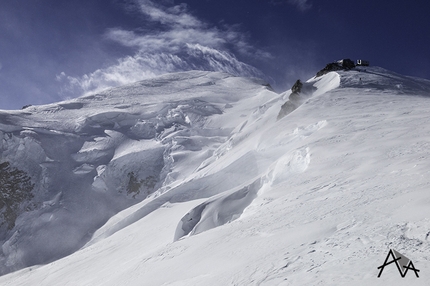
[179,27]
[302,5]
[176,15]
[179,42]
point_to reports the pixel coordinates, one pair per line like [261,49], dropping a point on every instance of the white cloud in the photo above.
[179,28]
[167,41]
[180,42]
[176,15]
[302,5]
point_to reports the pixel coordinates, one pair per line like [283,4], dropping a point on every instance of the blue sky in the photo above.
[52,50]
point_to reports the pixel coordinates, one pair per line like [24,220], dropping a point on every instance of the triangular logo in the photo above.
[402,262]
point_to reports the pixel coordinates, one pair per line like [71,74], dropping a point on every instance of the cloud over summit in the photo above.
[178,41]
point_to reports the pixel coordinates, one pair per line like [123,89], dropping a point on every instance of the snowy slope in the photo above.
[316,198]
[91,157]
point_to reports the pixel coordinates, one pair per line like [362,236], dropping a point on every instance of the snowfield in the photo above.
[190,179]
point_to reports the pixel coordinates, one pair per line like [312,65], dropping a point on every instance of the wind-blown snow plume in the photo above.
[180,42]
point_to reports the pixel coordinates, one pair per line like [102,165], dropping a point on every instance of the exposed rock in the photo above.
[297,87]
[15,193]
[299,93]
[135,186]
[328,68]
[345,64]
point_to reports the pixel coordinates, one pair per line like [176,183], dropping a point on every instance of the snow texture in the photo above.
[190,179]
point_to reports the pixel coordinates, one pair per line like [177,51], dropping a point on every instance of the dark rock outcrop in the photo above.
[299,93]
[348,64]
[15,194]
[345,64]
[297,87]
[329,68]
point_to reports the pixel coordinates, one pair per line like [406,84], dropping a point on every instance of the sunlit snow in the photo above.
[189,179]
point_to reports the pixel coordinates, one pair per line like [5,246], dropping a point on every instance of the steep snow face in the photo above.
[89,158]
[315,198]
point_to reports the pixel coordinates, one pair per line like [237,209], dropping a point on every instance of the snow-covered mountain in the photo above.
[92,157]
[190,179]
[145,65]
